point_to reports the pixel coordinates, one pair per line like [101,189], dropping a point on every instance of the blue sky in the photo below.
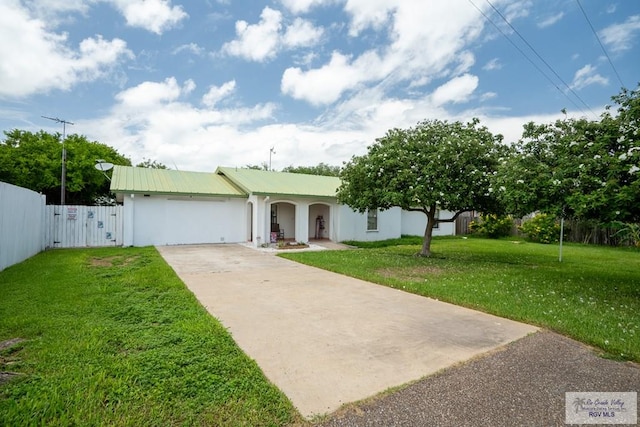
[201,84]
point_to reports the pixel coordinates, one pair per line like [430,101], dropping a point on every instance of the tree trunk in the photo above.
[428,234]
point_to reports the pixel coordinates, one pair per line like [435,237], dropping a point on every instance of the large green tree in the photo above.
[320,169]
[436,165]
[34,161]
[263,167]
[151,164]
[578,168]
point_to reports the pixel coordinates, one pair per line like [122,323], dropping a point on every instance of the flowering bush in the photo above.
[542,228]
[492,226]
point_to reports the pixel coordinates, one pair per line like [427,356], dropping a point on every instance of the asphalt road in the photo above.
[521,384]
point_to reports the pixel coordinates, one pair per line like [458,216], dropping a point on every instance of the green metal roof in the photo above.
[282,183]
[126,179]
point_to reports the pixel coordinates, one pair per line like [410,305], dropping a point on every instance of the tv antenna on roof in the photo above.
[272,150]
[63,178]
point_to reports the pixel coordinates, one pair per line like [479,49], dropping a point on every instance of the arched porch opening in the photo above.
[283,221]
[319,221]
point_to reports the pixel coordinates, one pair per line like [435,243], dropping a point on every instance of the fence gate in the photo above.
[83,226]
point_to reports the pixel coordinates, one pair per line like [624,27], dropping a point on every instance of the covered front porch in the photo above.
[271,220]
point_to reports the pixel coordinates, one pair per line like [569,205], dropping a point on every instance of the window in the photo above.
[437,224]
[372,219]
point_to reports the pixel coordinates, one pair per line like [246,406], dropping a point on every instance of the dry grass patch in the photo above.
[8,348]
[112,261]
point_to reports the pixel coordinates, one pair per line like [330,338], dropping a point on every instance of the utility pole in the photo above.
[271,151]
[63,178]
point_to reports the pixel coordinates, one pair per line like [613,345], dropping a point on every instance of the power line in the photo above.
[540,57]
[600,42]
[526,56]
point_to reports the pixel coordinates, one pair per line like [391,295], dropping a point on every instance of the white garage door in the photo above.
[174,221]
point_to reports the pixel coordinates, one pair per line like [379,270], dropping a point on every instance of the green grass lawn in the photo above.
[113,337]
[592,296]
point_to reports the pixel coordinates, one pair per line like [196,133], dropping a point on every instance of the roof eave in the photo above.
[166,193]
[309,196]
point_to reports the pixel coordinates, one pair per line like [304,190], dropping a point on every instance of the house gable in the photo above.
[260,182]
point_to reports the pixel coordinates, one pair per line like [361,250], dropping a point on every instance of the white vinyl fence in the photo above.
[28,226]
[21,224]
[83,226]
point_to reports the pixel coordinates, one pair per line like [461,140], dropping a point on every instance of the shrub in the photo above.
[492,226]
[542,228]
[628,233]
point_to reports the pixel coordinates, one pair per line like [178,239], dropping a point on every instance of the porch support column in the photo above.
[302,222]
[260,220]
[254,230]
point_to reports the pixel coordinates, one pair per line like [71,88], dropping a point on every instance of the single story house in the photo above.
[232,205]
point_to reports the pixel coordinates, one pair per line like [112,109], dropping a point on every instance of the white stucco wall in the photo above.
[163,220]
[414,224]
[353,226]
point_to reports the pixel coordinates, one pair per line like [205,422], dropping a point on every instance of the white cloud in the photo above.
[54,12]
[371,112]
[149,94]
[217,93]
[178,133]
[262,41]
[587,76]
[191,47]
[619,37]
[465,61]
[257,42]
[439,28]
[493,64]
[156,16]
[517,9]
[153,15]
[303,6]
[456,90]
[427,41]
[155,120]
[189,86]
[306,59]
[550,20]
[369,13]
[302,33]
[488,95]
[39,60]
[326,84]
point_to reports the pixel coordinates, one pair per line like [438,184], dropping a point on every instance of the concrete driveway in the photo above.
[326,339]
